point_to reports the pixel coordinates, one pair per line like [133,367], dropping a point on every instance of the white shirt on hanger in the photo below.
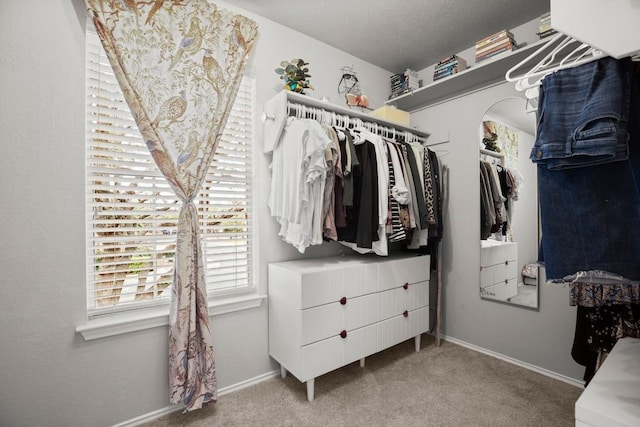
[297,183]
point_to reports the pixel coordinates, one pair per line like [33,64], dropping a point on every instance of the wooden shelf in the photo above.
[484,74]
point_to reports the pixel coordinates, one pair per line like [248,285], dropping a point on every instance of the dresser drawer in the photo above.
[323,280]
[494,274]
[327,320]
[394,302]
[400,328]
[396,272]
[494,252]
[507,269]
[326,355]
[501,291]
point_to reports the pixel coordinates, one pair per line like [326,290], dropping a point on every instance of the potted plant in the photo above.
[295,75]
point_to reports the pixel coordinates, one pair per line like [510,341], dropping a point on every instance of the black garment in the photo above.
[597,331]
[362,217]
[487,211]
[437,231]
[397,232]
[415,174]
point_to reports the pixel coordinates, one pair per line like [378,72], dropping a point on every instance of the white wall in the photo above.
[48,374]
[541,338]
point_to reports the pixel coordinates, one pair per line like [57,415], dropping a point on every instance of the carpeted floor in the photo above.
[439,386]
[527,296]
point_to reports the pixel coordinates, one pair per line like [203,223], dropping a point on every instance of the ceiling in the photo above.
[400,34]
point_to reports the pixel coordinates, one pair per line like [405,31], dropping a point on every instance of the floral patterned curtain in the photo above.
[179,64]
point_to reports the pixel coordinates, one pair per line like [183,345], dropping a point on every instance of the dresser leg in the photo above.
[362,362]
[283,372]
[417,342]
[310,384]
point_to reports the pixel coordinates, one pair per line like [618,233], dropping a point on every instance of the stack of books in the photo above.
[448,66]
[545,26]
[495,44]
[404,82]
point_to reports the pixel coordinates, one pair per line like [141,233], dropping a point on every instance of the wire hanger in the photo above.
[550,63]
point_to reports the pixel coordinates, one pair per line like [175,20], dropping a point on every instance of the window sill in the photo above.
[152,318]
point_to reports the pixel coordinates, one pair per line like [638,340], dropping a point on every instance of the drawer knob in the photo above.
[343,334]
[506,263]
[406,313]
[343,300]
[506,280]
[406,286]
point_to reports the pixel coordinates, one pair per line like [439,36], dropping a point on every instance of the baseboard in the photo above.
[248,383]
[252,381]
[174,408]
[517,362]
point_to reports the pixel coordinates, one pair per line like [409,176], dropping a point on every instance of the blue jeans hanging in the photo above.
[590,216]
[583,115]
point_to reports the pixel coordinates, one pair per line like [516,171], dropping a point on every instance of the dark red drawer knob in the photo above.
[343,300]
[406,313]
[343,334]
[406,286]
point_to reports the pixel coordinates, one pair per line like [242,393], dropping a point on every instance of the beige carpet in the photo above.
[439,386]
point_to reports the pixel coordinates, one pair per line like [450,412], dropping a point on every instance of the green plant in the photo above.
[295,75]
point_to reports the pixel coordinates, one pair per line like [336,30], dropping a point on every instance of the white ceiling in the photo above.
[399,34]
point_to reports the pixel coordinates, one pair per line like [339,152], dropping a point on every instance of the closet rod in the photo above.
[499,157]
[332,118]
[491,153]
[275,113]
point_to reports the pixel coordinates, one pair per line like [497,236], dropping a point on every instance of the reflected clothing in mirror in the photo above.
[498,189]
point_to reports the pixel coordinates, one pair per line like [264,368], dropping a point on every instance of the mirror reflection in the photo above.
[508,205]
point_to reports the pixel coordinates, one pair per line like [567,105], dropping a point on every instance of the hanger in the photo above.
[549,63]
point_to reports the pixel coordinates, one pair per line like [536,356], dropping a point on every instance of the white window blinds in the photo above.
[132,212]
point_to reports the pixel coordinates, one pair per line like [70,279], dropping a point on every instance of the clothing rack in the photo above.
[492,157]
[345,121]
[287,103]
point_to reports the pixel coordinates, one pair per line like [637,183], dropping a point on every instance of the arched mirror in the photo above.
[508,205]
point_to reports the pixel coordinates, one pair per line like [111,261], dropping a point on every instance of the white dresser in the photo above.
[498,269]
[325,313]
[612,398]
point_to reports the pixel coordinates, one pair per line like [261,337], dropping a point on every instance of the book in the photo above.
[547,33]
[447,59]
[443,75]
[493,41]
[457,61]
[447,66]
[445,69]
[497,36]
[492,47]
[492,54]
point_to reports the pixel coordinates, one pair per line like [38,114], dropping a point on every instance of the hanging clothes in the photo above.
[295,198]
[354,187]
[588,153]
[372,195]
[334,175]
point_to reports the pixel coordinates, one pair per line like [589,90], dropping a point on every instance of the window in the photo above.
[132,212]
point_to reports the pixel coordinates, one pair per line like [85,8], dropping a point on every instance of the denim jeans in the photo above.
[590,216]
[583,114]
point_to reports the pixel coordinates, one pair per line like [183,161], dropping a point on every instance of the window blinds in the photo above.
[132,212]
